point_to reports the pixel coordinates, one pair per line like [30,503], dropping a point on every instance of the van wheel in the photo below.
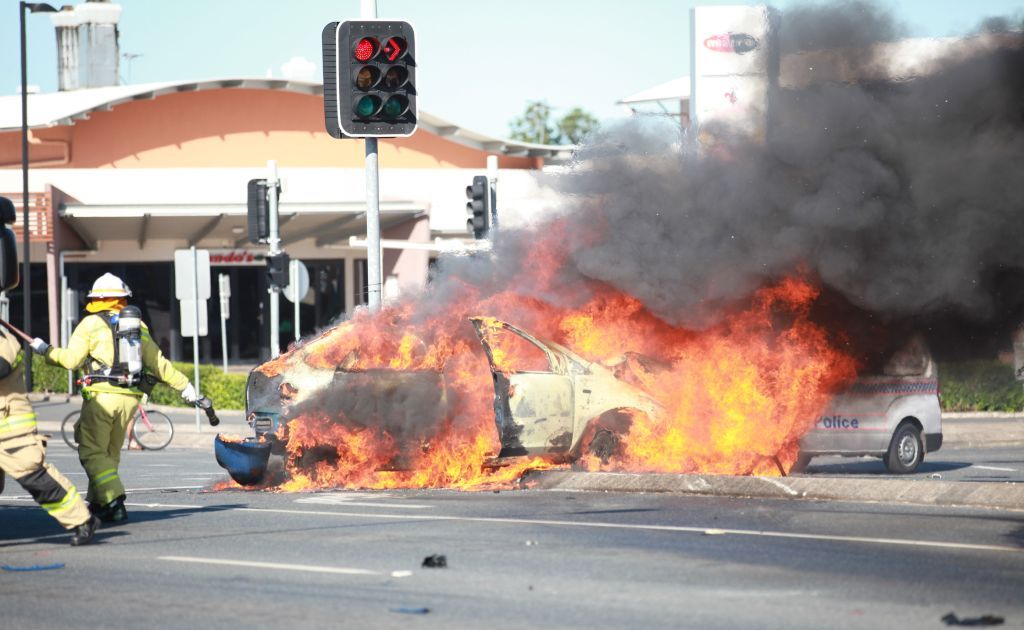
[905,450]
[802,461]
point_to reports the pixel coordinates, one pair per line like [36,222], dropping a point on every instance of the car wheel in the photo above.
[604,445]
[905,450]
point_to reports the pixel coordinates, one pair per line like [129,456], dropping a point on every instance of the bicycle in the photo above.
[152,430]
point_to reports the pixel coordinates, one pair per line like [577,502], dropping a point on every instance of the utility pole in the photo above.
[274,240]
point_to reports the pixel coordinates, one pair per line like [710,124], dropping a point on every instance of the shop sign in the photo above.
[236,258]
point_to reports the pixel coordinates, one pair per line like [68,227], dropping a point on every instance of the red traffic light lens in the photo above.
[395,48]
[366,49]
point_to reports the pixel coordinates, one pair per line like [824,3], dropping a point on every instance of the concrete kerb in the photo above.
[1006,496]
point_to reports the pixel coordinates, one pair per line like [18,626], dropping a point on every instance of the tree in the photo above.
[535,125]
[575,126]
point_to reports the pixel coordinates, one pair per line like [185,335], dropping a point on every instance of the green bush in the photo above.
[46,377]
[980,386]
[227,391]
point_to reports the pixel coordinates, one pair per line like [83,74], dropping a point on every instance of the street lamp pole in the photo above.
[26,270]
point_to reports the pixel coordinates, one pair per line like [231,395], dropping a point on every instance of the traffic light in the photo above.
[369,79]
[277,270]
[479,216]
[259,210]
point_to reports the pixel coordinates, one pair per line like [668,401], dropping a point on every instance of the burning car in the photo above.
[563,406]
[548,401]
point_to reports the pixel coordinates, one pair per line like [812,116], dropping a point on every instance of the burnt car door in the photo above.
[533,394]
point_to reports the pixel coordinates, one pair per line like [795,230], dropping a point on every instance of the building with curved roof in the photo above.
[122,176]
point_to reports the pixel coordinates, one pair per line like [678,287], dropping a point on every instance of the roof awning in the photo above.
[674,90]
[327,223]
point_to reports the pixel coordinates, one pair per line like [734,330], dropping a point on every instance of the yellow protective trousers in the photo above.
[24,458]
[100,434]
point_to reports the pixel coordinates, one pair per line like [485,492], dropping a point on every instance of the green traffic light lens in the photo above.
[367,77]
[395,106]
[367,106]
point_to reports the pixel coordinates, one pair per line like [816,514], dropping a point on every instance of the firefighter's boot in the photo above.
[85,532]
[113,512]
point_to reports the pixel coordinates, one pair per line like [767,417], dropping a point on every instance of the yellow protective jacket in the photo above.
[94,341]
[16,415]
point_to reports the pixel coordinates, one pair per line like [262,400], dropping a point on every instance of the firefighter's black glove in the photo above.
[39,346]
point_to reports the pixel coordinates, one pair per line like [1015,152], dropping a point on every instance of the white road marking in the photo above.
[131,490]
[342,498]
[993,468]
[271,565]
[599,525]
[656,528]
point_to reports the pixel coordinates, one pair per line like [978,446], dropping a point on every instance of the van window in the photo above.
[913,359]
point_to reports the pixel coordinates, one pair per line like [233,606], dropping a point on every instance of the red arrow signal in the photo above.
[394,48]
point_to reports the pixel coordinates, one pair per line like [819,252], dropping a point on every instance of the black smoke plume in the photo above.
[904,195]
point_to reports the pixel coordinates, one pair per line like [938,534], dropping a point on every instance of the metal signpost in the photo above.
[298,286]
[274,240]
[224,286]
[192,286]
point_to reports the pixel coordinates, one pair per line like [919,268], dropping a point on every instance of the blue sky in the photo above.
[480,61]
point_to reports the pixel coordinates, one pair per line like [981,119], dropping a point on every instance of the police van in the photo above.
[894,415]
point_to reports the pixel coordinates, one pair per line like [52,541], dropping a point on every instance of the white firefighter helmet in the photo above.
[108,285]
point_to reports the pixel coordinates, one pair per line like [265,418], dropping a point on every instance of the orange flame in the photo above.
[736,398]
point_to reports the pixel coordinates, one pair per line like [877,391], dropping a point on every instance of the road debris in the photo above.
[34,567]
[951,619]
[410,610]
[436,561]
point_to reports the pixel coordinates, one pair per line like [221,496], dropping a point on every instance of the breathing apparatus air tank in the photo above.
[129,343]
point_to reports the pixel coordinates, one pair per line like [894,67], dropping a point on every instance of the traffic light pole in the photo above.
[375,277]
[492,180]
[373,260]
[274,239]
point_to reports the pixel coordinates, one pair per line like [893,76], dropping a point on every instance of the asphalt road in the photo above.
[950,464]
[193,559]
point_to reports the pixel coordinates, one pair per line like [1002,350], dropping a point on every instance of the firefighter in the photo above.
[118,370]
[23,451]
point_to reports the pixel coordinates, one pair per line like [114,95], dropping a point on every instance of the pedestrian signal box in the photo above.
[369,79]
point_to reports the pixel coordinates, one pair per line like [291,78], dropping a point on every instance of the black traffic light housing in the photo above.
[479,216]
[9,276]
[259,210]
[277,270]
[369,79]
